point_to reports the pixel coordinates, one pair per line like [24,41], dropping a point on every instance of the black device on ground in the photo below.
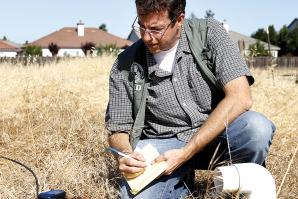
[52,194]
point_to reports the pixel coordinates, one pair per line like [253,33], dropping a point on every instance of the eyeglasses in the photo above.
[158,34]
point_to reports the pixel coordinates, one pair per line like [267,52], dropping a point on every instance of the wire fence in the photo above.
[281,62]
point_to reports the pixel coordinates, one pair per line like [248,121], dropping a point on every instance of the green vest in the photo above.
[196,32]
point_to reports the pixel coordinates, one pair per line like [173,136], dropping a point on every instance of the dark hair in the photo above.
[174,7]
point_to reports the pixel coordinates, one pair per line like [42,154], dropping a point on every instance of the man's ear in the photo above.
[180,19]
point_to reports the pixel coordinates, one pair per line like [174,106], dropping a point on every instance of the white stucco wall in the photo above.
[71,53]
[46,53]
[8,54]
[64,52]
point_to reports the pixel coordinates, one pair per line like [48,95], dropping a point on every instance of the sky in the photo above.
[29,20]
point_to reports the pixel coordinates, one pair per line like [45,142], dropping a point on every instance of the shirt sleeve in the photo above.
[229,64]
[119,110]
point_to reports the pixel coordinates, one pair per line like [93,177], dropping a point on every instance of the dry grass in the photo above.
[52,121]
[278,100]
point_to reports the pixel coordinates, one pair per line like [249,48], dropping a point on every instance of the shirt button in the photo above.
[196,124]
[175,79]
[183,104]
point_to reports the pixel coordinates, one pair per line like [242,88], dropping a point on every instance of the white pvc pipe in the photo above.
[249,178]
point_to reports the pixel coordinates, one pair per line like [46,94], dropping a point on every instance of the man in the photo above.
[185,119]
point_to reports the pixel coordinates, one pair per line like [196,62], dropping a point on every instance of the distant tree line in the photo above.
[286,39]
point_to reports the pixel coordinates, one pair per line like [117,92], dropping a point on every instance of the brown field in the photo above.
[52,120]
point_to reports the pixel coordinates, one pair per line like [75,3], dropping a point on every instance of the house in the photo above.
[9,49]
[70,40]
[238,38]
[133,36]
[245,42]
[293,24]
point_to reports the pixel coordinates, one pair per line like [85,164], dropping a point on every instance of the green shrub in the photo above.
[258,49]
[32,50]
[110,49]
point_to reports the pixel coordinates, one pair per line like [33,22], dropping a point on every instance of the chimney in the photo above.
[81,29]
[226,25]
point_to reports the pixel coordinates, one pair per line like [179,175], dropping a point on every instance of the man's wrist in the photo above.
[188,153]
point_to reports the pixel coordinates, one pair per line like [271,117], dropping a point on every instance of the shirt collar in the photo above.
[151,63]
[182,48]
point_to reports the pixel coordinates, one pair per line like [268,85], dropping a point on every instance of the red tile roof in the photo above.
[8,46]
[68,38]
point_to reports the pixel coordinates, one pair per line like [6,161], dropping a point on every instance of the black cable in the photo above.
[32,172]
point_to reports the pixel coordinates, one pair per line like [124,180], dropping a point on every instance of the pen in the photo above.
[117,152]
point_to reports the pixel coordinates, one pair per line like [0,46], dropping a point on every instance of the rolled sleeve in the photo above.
[119,110]
[226,56]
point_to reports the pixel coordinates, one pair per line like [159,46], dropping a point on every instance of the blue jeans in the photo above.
[250,136]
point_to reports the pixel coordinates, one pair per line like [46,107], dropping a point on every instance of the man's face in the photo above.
[158,32]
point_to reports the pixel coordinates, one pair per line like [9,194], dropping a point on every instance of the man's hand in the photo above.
[174,159]
[132,166]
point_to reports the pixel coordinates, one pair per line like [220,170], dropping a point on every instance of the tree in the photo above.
[260,34]
[209,14]
[293,41]
[103,27]
[53,48]
[87,47]
[4,38]
[273,35]
[283,41]
[32,50]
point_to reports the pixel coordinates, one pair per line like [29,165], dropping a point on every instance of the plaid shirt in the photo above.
[178,103]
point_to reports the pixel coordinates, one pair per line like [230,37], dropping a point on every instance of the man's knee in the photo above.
[258,127]
[251,135]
